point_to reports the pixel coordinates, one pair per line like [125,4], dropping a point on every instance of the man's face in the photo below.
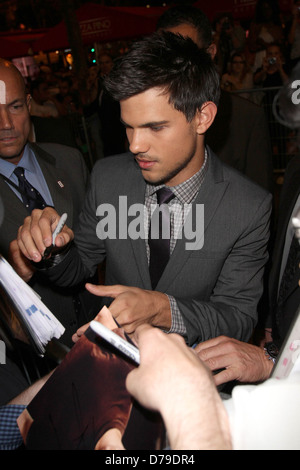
[105,64]
[273,51]
[43,93]
[167,148]
[14,116]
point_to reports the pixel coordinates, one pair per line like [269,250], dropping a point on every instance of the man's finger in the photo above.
[211,343]
[106,291]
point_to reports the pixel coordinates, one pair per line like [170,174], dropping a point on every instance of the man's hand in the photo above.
[235,359]
[35,235]
[133,306]
[21,265]
[172,380]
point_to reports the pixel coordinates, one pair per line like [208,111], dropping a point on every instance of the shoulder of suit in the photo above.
[239,182]
[117,163]
[54,152]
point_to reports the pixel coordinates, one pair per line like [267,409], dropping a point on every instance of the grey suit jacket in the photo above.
[281,322]
[66,175]
[217,288]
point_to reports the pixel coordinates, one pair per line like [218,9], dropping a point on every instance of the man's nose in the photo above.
[5,118]
[137,141]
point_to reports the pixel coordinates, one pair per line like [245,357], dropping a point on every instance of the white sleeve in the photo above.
[266,416]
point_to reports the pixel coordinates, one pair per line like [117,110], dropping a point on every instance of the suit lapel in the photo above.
[57,183]
[210,195]
[13,205]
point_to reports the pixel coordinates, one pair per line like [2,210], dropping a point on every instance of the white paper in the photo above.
[38,321]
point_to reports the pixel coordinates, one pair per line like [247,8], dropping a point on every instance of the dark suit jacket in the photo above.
[288,198]
[66,175]
[239,136]
[217,288]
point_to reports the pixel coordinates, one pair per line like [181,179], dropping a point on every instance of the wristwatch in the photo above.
[271,351]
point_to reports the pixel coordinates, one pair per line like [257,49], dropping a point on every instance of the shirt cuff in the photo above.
[10,436]
[177,324]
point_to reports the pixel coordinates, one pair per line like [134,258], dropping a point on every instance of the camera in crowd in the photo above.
[272,60]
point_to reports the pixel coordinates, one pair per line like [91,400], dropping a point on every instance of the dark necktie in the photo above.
[159,236]
[30,196]
[289,271]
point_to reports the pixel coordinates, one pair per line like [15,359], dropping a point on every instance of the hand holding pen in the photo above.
[59,227]
[40,231]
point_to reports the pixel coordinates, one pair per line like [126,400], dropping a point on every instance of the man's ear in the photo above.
[28,101]
[205,116]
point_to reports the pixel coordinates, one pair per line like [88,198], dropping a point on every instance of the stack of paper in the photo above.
[37,320]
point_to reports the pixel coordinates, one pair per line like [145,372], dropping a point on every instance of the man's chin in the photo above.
[12,157]
[152,179]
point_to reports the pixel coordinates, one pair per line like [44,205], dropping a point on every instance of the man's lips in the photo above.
[145,164]
[8,138]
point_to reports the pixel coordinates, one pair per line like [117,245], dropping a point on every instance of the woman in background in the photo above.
[238,76]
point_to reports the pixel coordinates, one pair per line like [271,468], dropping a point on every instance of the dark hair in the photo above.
[188,14]
[168,61]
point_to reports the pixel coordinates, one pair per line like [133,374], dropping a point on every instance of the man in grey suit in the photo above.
[168,91]
[59,174]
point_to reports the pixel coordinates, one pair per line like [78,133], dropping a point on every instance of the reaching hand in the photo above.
[235,360]
[133,306]
[172,380]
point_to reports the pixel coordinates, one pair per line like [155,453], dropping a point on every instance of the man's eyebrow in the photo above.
[17,100]
[147,124]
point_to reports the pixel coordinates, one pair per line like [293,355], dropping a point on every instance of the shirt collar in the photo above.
[186,191]
[27,162]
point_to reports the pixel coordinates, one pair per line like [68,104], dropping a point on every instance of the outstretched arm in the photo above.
[173,381]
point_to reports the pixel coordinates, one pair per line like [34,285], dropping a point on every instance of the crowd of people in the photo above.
[191,311]
[252,59]
[58,95]
[263,55]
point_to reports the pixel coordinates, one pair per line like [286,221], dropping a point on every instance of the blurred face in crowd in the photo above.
[14,113]
[64,88]
[41,94]
[274,52]
[105,64]
[238,64]
[92,76]
[167,148]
